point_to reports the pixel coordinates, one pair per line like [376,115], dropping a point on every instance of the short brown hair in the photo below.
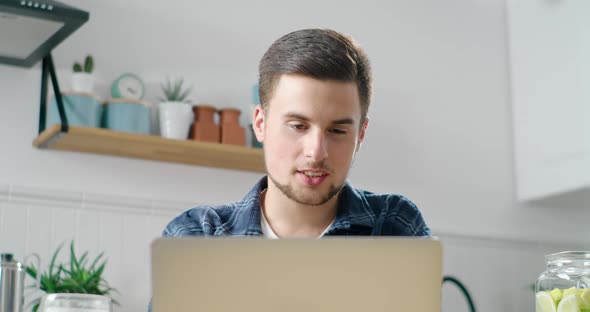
[319,53]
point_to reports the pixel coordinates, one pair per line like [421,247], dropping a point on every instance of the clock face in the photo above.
[128,86]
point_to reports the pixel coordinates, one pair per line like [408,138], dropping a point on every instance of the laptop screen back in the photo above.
[296,275]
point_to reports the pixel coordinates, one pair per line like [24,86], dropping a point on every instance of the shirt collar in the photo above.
[353,213]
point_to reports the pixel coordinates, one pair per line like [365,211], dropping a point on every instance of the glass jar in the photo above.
[565,284]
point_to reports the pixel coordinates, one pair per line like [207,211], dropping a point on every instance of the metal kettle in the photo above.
[12,283]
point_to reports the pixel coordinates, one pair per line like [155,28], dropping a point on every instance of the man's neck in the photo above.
[288,218]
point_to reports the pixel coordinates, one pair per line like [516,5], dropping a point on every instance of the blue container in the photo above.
[127,115]
[255,94]
[82,109]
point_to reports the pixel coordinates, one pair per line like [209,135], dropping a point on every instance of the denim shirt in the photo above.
[359,213]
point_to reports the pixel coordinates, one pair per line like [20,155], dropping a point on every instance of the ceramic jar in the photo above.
[82,109]
[204,128]
[231,131]
[127,115]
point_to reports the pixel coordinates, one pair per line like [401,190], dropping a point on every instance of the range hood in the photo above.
[29,30]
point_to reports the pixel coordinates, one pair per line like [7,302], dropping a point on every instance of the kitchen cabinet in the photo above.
[549,57]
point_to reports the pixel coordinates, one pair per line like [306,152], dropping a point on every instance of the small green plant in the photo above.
[88,65]
[174,91]
[73,277]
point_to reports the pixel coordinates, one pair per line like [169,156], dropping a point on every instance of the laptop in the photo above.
[378,274]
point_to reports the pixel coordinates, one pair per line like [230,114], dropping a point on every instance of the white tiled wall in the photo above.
[36,220]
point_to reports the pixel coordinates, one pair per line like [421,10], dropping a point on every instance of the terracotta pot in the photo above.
[231,131]
[204,127]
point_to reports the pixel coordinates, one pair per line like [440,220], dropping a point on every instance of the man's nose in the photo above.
[316,146]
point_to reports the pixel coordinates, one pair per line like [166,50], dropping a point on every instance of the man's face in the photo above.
[310,133]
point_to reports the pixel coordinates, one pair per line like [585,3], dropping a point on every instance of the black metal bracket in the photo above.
[48,67]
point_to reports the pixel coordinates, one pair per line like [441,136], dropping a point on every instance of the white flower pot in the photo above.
[175,119]
[83,82]
[75,303]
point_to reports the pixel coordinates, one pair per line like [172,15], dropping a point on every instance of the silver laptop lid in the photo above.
[296,275]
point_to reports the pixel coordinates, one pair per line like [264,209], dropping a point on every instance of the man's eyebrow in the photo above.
[296,116]
[343,121]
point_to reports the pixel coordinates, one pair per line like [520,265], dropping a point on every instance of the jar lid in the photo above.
[126,101]
[6,257]
[9,262]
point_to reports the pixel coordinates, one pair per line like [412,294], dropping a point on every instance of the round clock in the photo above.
[128,86]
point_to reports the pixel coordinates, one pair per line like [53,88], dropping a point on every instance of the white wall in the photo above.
[440,122]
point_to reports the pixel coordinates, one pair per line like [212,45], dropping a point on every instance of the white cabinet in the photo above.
[549,55]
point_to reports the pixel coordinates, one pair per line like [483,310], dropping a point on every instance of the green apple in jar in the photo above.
[568,300]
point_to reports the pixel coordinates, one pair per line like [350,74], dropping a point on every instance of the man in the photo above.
[315,90]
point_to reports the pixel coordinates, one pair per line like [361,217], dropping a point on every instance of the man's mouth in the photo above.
[313,173]
[313,177]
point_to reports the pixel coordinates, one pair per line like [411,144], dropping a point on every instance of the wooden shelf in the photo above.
[107,142]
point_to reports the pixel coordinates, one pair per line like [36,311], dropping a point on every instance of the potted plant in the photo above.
[75,282]
[175,114]
[82,78]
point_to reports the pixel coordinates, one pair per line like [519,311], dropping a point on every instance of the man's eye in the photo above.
[338,131]
[297,126]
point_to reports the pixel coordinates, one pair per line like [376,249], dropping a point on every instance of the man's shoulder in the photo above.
[239,218]
[201,220]
[384,203]
[395,214]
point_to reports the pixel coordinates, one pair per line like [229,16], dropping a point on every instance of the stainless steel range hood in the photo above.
[29,30]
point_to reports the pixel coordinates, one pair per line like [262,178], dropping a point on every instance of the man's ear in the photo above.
[258,123]
[362,132]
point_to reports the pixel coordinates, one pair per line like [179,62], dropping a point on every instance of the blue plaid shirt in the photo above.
[359,213]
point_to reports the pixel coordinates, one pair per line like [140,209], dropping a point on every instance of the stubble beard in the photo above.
[292,194]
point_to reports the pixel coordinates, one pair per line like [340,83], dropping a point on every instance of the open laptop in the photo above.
[378,274]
